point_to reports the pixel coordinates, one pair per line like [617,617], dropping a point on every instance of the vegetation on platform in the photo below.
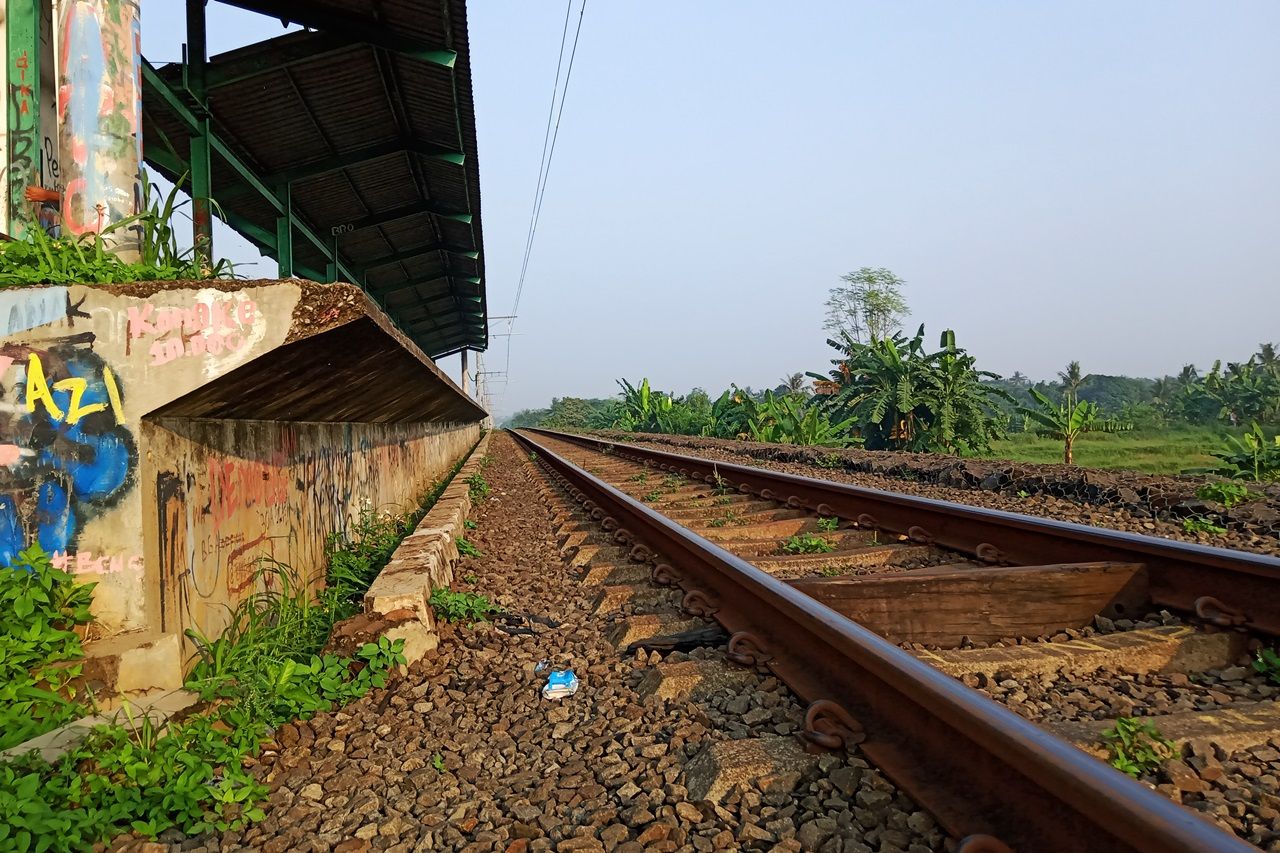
[39,258]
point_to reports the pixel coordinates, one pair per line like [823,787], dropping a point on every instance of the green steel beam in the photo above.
[364,155]
[355,27]
[157,84]
[421,252]
[285,51]
[284,234]
[22,46]
[404,213]
[400,288]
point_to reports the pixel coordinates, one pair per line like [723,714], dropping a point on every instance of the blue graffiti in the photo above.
[68,472]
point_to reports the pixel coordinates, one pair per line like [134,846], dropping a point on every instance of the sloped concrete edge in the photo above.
[397,604]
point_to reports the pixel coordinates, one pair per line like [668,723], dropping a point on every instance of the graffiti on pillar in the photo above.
[69,455]
[99,111]
[24,136]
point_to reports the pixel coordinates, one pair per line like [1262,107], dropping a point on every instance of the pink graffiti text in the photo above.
[87,563]
[208,327]
[235,485]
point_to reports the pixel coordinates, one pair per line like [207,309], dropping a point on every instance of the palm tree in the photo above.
[794,383]
[1072,379]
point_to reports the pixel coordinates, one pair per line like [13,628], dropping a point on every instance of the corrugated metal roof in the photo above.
[355,120]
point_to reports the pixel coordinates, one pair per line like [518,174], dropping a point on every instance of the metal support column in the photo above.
[22,37]
[284,232]
[465,378]
[201,140]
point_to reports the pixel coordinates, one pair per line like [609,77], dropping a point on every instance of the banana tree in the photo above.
[1062,420]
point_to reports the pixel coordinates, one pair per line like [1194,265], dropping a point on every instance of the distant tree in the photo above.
[1018,378]
[867,307]
[793,383]
[1071,379]
[1066,421]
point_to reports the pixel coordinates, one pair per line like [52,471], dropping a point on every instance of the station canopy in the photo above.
[347,151]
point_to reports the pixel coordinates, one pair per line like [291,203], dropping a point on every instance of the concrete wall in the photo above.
[159,438]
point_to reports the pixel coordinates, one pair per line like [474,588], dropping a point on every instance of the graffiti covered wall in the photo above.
[170,516]
[227,493]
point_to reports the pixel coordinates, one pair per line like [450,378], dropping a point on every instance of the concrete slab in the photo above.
[770,763]
[1172,648]
[692,679]
[1238,727]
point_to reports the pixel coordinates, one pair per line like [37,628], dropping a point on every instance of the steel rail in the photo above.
[982,771]
[1228,588]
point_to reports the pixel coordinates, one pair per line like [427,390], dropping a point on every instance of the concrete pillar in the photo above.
[100,112]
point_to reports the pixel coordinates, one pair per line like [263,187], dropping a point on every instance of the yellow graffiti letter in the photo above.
[77,387]
[113,394]
[38,388]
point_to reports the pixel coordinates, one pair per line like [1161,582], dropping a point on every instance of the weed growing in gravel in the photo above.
[1267,662]
[1024,494]
[806,543]
[830,571]
[466,547]
[437,761]
[468,524]
[1227,494]
[728,518]
[486,461]
[829,461]
[1199,524]
[828,525]
[471,578]
[1137,747]
[642,477]
[652,496]
[723,500]
[466,607]
[478,487]
[722,487]
[671,482]
[533,457]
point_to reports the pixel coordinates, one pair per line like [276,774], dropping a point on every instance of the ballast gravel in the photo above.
[463,754]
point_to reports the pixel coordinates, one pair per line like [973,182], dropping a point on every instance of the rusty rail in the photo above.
[1229,588]
[982,771]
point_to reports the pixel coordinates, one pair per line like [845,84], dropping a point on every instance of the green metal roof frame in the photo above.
[181,93]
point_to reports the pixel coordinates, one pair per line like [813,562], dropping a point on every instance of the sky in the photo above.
[1080,180]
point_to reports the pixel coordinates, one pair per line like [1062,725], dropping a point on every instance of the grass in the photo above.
[1150,452]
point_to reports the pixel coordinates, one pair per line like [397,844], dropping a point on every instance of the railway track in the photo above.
[849,624]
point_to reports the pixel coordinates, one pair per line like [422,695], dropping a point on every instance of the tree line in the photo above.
[886,390]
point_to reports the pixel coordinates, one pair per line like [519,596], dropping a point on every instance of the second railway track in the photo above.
[843,593]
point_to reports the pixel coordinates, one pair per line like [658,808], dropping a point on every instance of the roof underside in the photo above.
[369,122]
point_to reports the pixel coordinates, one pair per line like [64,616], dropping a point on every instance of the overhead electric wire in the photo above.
[544,164]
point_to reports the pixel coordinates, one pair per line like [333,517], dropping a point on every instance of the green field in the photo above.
[1152,452]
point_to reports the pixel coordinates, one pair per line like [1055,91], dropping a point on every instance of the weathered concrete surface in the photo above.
[425,559]
[1172,648]
[160,437]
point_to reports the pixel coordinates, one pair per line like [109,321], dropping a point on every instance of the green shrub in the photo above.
[466,548]
[477,487]
[45,604]
[1136,746]
[1198,524]
[828,525]
[806,543]
[1227,494]
[467,607]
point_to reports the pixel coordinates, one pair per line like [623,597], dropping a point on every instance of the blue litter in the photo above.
[560,684]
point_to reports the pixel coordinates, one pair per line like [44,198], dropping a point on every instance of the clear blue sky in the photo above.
[1081,180]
